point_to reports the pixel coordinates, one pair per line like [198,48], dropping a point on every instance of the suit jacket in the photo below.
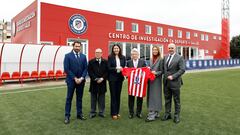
[141,63]
[96,70]
[112,74]
[75,68]
[176,69]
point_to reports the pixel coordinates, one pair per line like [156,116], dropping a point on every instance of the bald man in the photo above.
[98,72]
[174,68]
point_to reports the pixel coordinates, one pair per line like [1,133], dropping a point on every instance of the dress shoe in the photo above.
[66,120]
[166,116]
[130,116]
[176,119]
[114,117]
[81,117]
[157,115]
[139,115]
[149,119]
[92,116]
[101,115]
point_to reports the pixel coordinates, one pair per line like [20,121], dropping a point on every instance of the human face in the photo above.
[134,55]
[155,51]
[171,49]
[77,47]
[116,50]
[98,53]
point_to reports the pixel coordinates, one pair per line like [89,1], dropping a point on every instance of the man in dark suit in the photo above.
[75,66]
[136,63]
[98,72]
[174,68]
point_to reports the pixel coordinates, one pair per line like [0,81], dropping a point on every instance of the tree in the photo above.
[235,47]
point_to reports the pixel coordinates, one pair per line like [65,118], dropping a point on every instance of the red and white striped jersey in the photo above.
[138,80]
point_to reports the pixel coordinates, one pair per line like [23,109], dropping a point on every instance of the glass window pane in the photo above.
[147,56]
[128,51]
[142,51]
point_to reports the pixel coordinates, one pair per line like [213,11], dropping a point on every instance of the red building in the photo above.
[43,23]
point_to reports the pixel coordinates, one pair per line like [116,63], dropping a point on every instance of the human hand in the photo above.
[170,77]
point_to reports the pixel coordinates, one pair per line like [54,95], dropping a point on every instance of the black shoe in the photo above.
[166,116]
[67,120]
[130,116]
[139,115]
[81,117]
[101,115]
[92,116]
[176,119]
[157,116]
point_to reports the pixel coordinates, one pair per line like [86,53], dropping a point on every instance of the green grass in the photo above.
[210,105]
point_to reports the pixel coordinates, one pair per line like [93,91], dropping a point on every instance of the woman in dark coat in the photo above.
[116,61]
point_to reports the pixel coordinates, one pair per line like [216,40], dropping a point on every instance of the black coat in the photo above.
[96,70]
[113,75]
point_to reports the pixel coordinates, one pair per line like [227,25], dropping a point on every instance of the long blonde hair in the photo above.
[159,52]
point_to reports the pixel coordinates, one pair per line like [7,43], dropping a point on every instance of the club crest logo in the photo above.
[77,24]
[137,80]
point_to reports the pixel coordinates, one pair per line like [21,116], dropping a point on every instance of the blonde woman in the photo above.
[154,93]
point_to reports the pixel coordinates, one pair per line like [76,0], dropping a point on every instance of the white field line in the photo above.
[24,91]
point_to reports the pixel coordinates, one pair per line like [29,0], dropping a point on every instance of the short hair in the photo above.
[76,42]
[134,50]
[171,45]
[98,49]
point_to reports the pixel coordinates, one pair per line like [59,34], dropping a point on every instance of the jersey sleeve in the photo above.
[126,71]
[150,75]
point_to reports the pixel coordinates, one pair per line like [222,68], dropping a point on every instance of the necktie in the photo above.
[78,58]
[168,61]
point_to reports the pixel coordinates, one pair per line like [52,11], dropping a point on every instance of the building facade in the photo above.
[43,23]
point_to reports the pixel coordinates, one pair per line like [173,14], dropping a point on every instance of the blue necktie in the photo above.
[78,58]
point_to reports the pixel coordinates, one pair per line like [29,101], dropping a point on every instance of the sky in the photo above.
[204,15]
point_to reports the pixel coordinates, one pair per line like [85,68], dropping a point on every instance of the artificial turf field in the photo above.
[210,106]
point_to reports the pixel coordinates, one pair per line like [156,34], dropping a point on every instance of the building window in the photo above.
[111,45]
[134,27]
[119,25]
[159,31]
[202,37]
[214,37]
[129,47]
[195,35]
[179,34]
[148,29]
[170,32]
[188,36]
[206,37]
[145,51]
[219,38]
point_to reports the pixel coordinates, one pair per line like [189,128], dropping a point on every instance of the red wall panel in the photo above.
[28,35]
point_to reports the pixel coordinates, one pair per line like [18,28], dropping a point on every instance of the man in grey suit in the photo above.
[136,63]
[174,68]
